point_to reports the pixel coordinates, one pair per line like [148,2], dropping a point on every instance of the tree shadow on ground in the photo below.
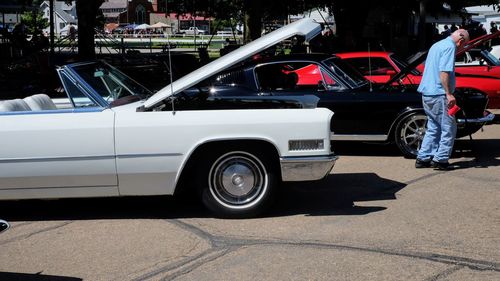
[334,195]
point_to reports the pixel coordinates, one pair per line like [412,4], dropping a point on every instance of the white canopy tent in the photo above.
[143,26]
[159,25]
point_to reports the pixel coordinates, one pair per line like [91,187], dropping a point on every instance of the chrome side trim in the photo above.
[148,155]
[306,168]
[53,159]
[55,111]
[84,158]
[338,137]
[488,118]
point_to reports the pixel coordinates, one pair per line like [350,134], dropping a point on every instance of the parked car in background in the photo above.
[364,112]
[111,137]
[193,30]
[380,67]
[475,58]
[227,32]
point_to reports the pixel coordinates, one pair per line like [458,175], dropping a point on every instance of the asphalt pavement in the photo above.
[375,217]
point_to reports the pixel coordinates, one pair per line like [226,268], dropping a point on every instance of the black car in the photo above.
[389,113]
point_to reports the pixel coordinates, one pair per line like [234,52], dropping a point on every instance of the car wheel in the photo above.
[409,134]
[237,183]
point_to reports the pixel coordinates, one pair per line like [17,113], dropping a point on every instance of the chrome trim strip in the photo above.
[339,137]
[52,187]
[84,158]
[55,111]
[148,155]
[53,159]
[487,118]
[306,168]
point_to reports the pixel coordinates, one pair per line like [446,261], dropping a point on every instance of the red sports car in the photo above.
[475,58]
[379,67]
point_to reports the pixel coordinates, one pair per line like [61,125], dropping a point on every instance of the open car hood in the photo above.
[478,41]
[305,27]
[413,61]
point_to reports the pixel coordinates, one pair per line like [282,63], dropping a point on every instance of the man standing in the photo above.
[437,87]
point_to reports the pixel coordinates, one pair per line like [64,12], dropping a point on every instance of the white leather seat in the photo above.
[14,105]
[40,102]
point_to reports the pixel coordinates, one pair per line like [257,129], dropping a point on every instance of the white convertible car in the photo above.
[112,137]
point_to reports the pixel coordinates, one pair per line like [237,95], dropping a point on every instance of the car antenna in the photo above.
[370,67]
[172,98]
[171,75]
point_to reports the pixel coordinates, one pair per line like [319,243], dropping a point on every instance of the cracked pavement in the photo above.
[375,217]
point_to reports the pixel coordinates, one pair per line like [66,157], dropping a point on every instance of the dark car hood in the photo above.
[413,61]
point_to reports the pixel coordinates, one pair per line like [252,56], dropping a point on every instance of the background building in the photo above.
[111,9]
[64,15]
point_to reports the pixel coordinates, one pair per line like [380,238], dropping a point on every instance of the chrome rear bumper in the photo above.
[306,168]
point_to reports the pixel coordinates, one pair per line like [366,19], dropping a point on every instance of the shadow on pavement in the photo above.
[11,276]
[365,149]
[484,153]
[334,195]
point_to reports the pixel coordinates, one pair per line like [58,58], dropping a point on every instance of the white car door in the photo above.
[59,153]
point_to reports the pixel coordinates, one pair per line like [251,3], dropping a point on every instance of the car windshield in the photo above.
[345,72]
[495,61]
[112,85]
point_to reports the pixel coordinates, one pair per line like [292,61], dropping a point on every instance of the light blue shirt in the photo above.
[441,57]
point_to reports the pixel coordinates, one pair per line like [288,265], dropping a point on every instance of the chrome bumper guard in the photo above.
[488,117]
[306,168]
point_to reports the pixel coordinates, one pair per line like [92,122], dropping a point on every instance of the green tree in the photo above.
[34,21]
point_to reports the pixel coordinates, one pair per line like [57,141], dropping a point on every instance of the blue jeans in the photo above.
[441,130]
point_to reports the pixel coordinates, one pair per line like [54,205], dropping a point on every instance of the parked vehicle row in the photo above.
[363,111]
[228,132]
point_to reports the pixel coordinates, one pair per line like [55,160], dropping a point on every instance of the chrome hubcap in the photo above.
[237,179]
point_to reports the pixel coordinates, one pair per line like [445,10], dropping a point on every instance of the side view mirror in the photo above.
[4,225]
